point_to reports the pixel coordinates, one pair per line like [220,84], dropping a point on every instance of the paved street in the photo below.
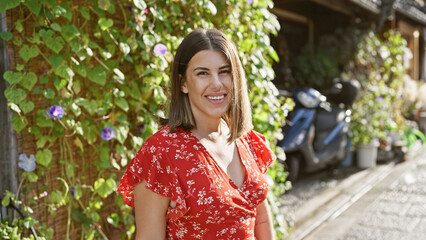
[393,208]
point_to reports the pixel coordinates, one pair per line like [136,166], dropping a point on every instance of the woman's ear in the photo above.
[183,88]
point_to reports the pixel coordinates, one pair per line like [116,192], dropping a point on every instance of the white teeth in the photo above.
[216,97]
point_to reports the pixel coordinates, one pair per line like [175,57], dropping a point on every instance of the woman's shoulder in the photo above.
[165,136]
[254,136]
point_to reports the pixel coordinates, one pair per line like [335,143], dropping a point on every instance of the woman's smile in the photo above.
[216,98]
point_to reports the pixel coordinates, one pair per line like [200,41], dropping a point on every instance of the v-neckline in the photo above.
[243,164]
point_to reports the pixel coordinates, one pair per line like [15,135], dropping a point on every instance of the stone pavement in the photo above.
[393,209]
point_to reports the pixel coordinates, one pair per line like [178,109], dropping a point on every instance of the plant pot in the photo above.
[367,155]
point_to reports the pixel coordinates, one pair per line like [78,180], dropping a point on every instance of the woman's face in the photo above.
[208,83]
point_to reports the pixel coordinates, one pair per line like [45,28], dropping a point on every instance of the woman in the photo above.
[201,175]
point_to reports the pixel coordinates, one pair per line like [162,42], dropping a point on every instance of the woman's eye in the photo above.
[225,72]
[201,73]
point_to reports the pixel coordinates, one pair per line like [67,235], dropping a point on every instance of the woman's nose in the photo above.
[216,81]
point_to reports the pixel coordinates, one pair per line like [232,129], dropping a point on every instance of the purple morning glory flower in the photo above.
[160,49]
[249,2]
[56,111]
[107,133]
[72,191]
[28,164]
[146,11]
[380,99]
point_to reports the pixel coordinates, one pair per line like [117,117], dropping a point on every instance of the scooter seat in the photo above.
[328,120]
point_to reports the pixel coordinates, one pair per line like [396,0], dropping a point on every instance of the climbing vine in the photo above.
[90,83]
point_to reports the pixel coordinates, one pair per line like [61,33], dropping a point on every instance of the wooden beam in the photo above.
[289,15]
[336,5]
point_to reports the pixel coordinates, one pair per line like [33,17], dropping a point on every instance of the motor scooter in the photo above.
[316,135]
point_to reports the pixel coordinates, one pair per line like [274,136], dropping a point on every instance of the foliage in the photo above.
[18,228]
[380,68]
[102,78]
[317,66]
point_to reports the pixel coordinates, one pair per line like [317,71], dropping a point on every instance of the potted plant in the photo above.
[370,114]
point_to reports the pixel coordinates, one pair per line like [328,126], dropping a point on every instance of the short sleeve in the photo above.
[152,164]
[263,154]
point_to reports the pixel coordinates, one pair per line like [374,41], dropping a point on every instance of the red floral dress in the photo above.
[209,205]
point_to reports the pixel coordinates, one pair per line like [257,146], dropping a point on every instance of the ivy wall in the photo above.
[87,83]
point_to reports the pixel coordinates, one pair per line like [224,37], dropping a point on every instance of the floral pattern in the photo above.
[208,204]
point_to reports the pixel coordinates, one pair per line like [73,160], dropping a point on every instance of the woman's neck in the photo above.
[211,130]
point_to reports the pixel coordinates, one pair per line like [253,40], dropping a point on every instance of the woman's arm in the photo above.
[264,228]
[150,213]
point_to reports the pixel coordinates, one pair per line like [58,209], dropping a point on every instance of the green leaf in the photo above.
[273,54]
[26,53]
[59,83]
[65,72]
[15,95]
[76,109]
[56,27]
[80,217]
[122,103]
[62,10]
[20,67]
[44,157]
[32,177]
[18,123]
[97,75]
[133,91]
[122,132]
[28,81]
[90,134]
[34,6]
[56,60]
[6,200]
[77,192]
[41,142]
[85,13]
[12,77]
[26,106]
[105,23]
[113,219]
[104,156]
[8,4]
[49,93]
[90,105]
[18,25]
[79,144]
[56,196]
[6,35]
[44,80]
[104,4]
[104,188]
[81,69]
[69,32]
[55,44]
[46,34]
[69,170]
[140,4]
[42,120]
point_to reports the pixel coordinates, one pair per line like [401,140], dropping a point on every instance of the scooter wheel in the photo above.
[293,167]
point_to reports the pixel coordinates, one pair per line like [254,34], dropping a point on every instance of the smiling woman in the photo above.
[201,175]
[208,84]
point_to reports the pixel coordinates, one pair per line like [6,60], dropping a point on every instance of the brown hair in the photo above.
[238,115]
